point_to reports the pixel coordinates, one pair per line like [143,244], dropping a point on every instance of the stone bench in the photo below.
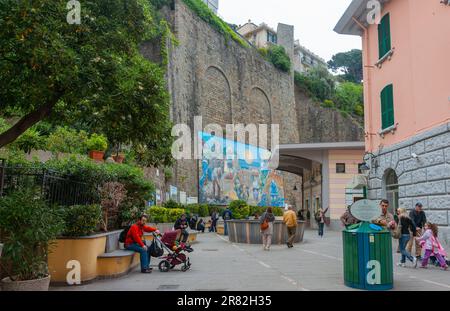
[116,264]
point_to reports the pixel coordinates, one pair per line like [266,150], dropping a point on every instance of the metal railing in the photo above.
[53,187]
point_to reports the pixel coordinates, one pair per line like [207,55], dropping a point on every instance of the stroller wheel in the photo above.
[164,266]
[185,268]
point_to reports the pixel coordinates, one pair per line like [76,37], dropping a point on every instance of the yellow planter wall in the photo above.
[85,251]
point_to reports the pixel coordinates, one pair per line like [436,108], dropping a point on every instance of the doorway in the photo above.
[391,182]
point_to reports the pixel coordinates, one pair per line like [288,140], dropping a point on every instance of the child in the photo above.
[430,243]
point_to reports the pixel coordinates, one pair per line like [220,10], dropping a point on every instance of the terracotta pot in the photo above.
[119,158]
[39,285]
[96,155]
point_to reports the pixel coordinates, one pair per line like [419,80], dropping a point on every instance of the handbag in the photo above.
[265,225]
[397,232]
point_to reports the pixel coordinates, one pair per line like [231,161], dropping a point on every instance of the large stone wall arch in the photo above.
[215,97]
[259,110]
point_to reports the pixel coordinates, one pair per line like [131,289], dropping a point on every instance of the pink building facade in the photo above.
[407,101]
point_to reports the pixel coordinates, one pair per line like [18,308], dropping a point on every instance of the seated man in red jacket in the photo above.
[135,243]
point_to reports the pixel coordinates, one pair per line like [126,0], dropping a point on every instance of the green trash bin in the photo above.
[368,258]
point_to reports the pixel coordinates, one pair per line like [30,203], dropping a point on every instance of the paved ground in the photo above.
[219,265]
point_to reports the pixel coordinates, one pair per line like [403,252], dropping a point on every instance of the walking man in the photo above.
[290,219]
[227,215]
[214,219]
[419,219]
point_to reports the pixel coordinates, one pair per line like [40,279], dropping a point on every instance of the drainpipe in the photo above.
[367,83]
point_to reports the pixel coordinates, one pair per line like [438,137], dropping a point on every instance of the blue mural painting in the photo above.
[246,176]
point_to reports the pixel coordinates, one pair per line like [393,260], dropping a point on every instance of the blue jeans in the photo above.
[145,255]
[405,254]
[321,226]
[225,228]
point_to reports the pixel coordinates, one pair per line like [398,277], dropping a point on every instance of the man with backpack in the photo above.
[227,215]
[134,241]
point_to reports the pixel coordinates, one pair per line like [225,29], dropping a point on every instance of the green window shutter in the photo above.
[384,36]
[387,106]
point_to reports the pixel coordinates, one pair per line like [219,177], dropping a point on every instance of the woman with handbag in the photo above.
[403,232]
[266,221]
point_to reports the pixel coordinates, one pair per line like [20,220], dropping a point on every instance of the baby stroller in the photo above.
[176,252]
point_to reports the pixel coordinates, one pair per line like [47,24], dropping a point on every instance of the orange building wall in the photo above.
[339,182]
[419,70]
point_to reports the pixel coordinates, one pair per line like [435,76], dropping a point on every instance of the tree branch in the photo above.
[25,123]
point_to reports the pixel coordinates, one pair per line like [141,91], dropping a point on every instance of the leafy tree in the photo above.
[350,63]
[89,73]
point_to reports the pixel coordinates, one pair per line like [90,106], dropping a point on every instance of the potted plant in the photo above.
[28,226]
[97,145]
[119,157]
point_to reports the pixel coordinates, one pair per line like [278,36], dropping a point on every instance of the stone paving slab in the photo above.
[219,265]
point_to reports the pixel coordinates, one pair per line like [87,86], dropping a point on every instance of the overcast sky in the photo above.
[314,21]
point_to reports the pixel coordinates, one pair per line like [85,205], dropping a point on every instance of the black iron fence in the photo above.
[53,187]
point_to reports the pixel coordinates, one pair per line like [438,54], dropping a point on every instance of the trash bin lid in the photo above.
[366,227]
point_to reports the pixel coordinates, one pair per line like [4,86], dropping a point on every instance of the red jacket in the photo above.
[136,233]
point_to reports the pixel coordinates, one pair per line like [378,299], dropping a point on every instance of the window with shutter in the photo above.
[384,36]
[387,106]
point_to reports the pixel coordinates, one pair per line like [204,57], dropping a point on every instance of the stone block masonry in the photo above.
[425,178]
[226,83]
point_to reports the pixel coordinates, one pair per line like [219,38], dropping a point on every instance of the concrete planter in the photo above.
[40,285]
[85,250]
[249,232]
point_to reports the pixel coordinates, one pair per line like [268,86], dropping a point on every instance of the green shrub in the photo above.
[67,140]
[81,220]
[205,13]
[359,110]
[264,52]
[328,104]
[97,143]
[193,209]
[158,214]
[28,228]
[174,214]
[240,209]
[279,58]
[139,190]
[203,210]
[277,211]
[30,140]
[317,83]
[350,97]
[172,204]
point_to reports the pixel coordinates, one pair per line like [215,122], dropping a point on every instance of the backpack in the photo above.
[226,215]
[156,249]
[123,234]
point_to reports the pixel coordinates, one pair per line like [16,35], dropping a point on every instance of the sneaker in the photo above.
[401,264]
[147,271]
[445,268]
[415,262]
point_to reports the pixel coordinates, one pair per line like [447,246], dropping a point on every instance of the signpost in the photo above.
[365,210]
